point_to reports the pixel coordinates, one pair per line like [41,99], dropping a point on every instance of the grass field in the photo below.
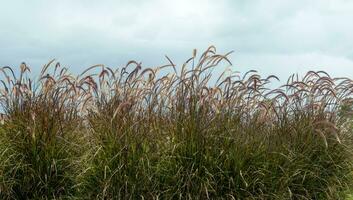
[174,132]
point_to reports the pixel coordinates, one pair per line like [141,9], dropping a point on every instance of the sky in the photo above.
[279,37]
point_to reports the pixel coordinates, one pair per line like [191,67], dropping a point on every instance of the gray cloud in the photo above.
[274,36]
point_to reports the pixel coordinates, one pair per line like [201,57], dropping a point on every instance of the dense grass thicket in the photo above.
[174,132]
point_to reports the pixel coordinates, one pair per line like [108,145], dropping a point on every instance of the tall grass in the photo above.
[38,136]
[176,133]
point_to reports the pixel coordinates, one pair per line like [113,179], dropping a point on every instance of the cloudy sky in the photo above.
[272,36]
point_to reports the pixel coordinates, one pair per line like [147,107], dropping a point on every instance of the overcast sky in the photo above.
[272,36]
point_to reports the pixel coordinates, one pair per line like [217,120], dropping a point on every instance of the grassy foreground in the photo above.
[174,132]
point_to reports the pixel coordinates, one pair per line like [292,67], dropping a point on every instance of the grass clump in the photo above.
[180,135]
[169,133]
[38,137]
